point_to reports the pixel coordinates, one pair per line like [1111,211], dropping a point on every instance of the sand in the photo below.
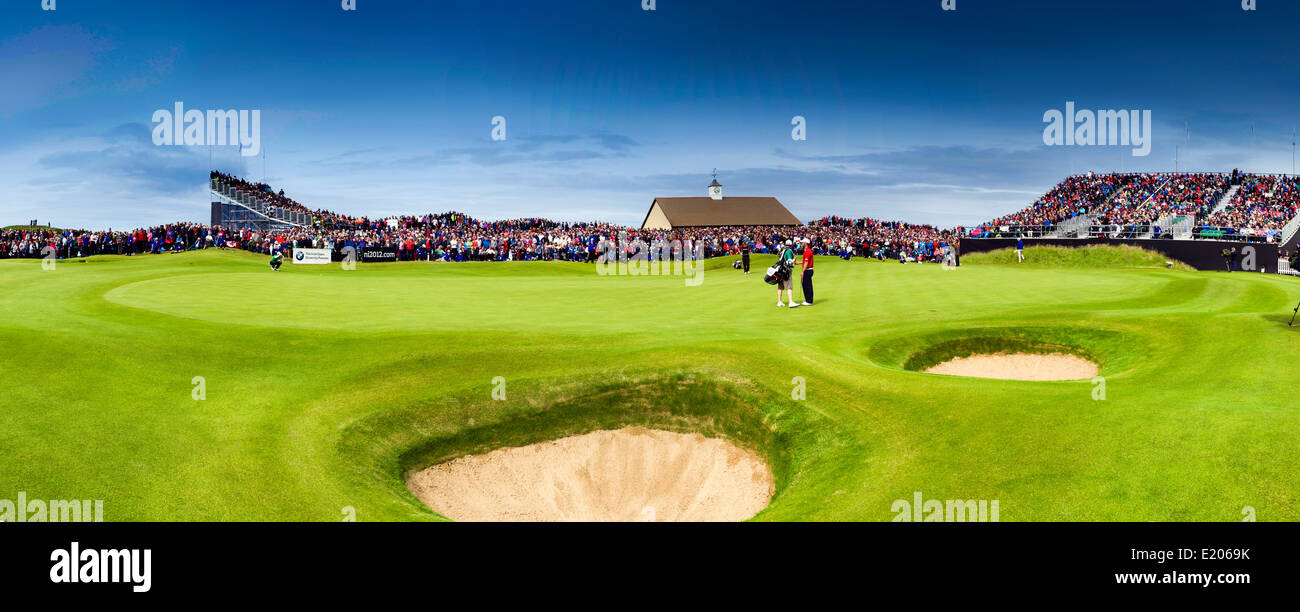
[1019,366]
[632,474]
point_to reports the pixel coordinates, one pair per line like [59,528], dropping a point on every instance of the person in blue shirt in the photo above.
[1020,249]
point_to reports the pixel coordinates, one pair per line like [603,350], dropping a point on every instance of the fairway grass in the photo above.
[324,388]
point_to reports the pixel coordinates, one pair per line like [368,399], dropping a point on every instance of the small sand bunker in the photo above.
[632,474]
[1019,366]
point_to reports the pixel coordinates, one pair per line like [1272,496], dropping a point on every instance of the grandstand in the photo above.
[1189,216]
[239,205]
[1180,206]
[1213,206]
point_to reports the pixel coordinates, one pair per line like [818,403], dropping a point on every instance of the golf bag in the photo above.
[735,265]
[779,272]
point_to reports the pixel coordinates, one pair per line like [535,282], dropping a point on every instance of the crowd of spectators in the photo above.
[1076,195]
[1146,198]
[169,238]
[1118,202]
[455,236]
[868,237]
[1131,204]
[1262,205]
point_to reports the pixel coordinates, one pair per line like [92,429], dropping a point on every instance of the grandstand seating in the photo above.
[1156,205]
[1136,205]
[1262,207]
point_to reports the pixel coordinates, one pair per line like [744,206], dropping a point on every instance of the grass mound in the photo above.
[28,228]
[1089,256]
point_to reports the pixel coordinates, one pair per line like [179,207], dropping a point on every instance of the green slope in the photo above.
[324,385]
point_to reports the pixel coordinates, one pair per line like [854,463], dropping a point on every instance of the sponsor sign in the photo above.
[311,256]
[375,254]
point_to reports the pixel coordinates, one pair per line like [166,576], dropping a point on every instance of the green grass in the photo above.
[325,386]
[1090,256]
[29,228]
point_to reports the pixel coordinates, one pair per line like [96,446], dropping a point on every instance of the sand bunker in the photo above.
[632,474]
[1019,366]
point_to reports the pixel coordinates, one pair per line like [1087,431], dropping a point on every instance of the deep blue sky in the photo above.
[912,112]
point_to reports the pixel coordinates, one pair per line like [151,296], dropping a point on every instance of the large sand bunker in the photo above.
[632,474]
[1019,366]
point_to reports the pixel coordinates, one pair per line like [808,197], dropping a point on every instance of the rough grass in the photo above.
[26,228]
[324,386]
[1089,256]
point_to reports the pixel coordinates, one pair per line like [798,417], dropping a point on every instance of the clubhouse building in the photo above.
[716,211]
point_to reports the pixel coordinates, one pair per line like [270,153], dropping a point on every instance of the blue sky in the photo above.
[912,112]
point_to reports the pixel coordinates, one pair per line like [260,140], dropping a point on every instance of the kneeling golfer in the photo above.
[277,258]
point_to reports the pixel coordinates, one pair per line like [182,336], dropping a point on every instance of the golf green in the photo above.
[205,386]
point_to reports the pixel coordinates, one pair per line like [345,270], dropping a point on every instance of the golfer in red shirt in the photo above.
[807,264]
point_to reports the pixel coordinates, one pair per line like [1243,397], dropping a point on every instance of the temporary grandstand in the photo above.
[238,207]
[1194,217]
[1178,206]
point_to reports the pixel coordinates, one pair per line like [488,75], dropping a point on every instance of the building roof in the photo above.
[708,212]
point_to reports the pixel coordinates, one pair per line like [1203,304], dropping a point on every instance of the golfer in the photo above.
[276,259]
[807,264]
[744,257]
[786,261]
[1020,249]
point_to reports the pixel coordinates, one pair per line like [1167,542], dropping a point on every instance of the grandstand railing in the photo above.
[1018,231]
[1227,233]
[1152,197]
[1289,230]
[1076,227]
[274,214]
[1178,226]
[1182,227]
[1117,230]
[1226,199]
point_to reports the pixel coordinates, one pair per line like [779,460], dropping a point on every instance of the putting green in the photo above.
[322,387]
